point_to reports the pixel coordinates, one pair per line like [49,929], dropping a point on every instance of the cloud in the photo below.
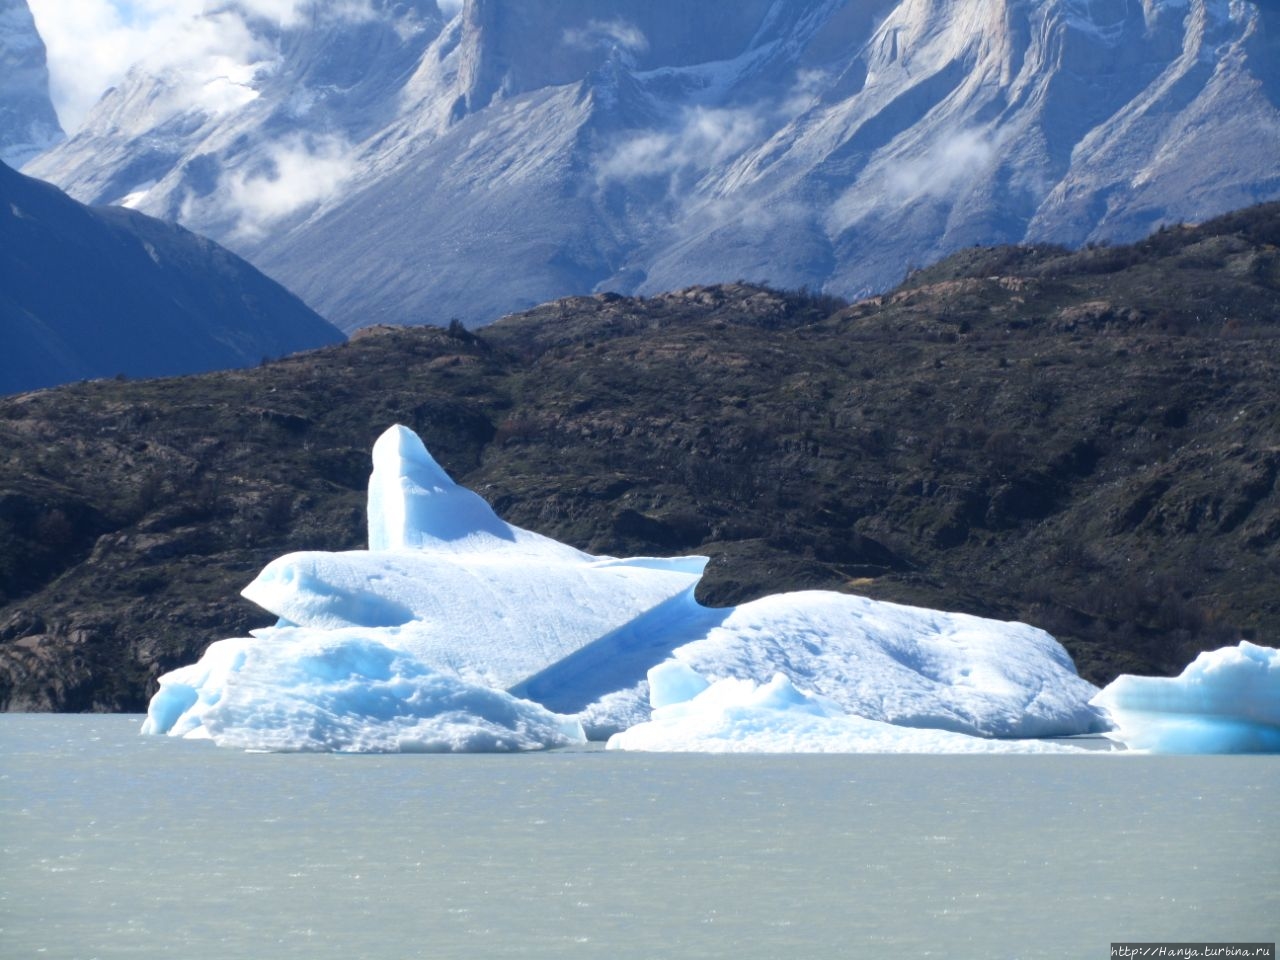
[92,44]
[618,33]
[940,168]
[283,12]
[705,137]
[299,172]
[289,13]
[945,165]
[807,88]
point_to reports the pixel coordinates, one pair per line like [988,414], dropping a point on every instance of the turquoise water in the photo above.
[115,845]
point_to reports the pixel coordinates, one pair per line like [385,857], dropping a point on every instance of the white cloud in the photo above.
[945,165]
[92,44]
[283,12]
[609,33]
[805,91]
[704,138]
[911,171]
[289,13]
[300,172]
[756,215]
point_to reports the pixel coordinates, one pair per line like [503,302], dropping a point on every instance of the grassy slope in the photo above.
[1087,441]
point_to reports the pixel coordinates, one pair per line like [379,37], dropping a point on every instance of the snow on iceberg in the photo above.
[904,665]
[1225,701]
[883,661]
[452,613]
[693,715]
[490,616]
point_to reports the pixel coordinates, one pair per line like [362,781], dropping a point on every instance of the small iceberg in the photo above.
[1225,701]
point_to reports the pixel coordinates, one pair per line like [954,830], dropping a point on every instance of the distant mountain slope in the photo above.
[1088,442]
[522,151]
[94,292]
[28,123]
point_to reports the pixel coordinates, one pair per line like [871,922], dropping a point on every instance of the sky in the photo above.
[92,43]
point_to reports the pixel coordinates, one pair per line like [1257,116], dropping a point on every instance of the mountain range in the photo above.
[1087,441]
[389,163]
[91,292]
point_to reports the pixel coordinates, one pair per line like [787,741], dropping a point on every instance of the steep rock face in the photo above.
[523,151]
[28,124]
[94,292]
[1180,144]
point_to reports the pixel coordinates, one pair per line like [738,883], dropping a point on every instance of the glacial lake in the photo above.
[114,845]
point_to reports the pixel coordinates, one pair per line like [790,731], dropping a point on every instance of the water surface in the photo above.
[114,845]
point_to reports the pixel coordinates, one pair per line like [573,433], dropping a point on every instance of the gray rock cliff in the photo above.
[28,123]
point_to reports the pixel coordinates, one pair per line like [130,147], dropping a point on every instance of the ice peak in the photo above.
[402,452]
[413,503]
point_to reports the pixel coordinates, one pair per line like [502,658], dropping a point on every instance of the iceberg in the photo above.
[414,504]
[455,630]
[694,715]
[1225,701]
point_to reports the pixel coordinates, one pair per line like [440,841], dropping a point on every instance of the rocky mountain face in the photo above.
[1085,441]
[28,123]
[97,292]
[390,165]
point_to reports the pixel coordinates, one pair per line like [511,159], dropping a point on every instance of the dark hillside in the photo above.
[1087,441]
[97,291]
